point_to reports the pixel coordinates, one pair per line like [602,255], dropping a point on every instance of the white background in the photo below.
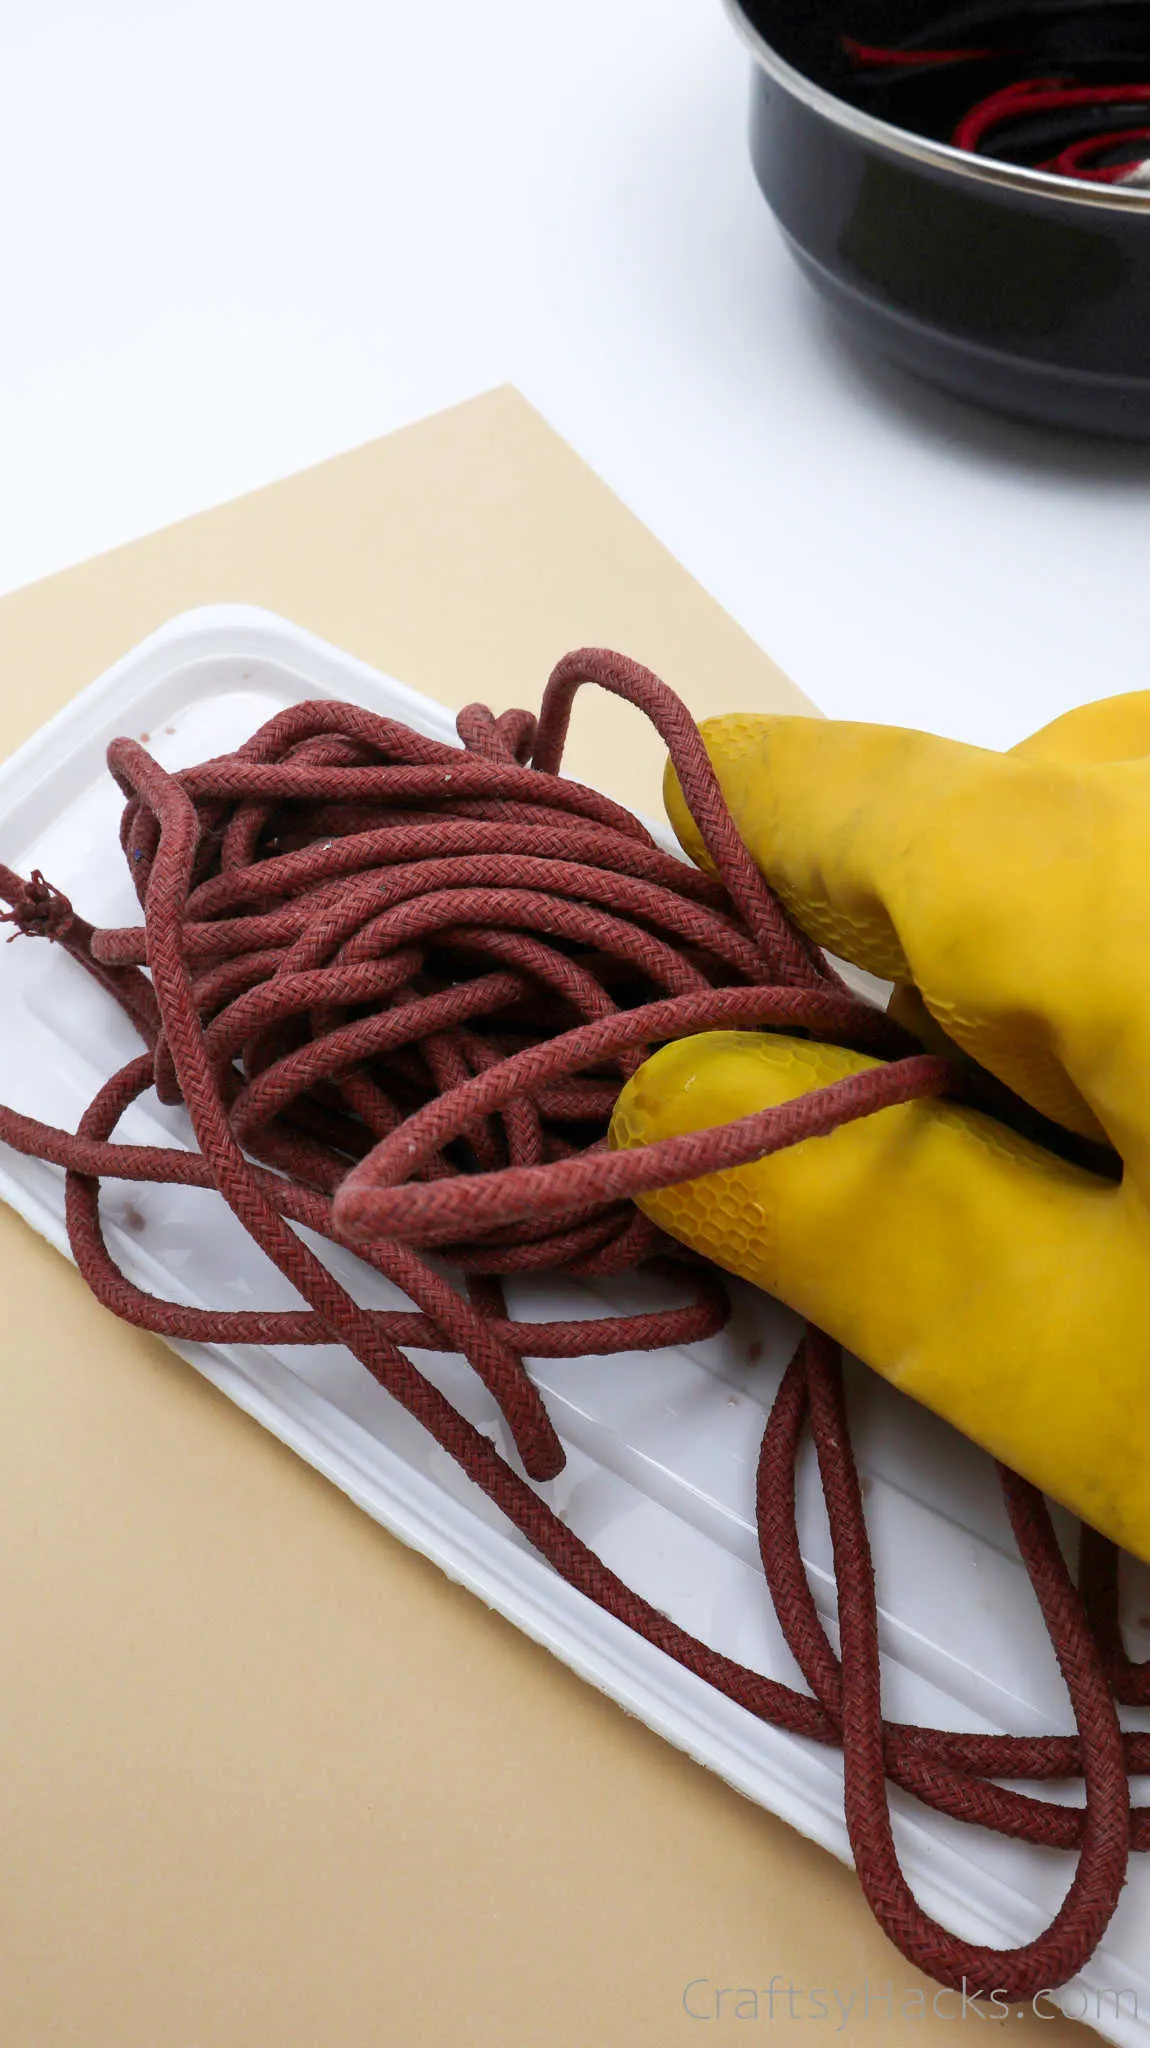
[240,236]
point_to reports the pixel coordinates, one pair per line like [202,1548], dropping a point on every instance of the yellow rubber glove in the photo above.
[1010,894]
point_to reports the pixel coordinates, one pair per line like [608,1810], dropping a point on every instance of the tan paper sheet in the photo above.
[269,1781]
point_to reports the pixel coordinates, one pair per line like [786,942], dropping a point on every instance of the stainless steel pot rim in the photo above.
[974,170]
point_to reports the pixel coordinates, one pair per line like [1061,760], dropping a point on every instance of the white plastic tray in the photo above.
[661,1449]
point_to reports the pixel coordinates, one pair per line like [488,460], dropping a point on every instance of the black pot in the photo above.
[1024,291]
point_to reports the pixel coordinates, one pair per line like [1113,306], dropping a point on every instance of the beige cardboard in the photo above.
[269,1781]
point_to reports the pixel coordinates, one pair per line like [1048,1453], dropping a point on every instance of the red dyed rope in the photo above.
[396,987]
[1083,156]
[1090,156]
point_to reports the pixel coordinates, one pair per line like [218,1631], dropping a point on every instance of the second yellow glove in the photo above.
[1005,894]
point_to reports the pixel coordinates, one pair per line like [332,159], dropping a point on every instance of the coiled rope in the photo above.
[397,987]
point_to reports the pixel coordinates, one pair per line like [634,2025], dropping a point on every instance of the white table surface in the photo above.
[238,236]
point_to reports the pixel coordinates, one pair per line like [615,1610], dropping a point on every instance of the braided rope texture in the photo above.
[397,986]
